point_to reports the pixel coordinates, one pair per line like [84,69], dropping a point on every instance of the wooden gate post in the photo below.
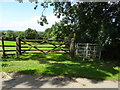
[18,46]
[3,48]
[72,48]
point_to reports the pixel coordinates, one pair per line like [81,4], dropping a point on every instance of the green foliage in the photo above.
[28,34]
[10,35]
[91,21]
[47,33]
[31,34]
[40,35]
[59,31]
[20,34]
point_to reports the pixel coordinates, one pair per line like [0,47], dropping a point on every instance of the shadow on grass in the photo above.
[4,65]
[96,71]
[29,78]
[25,57]
[79,70]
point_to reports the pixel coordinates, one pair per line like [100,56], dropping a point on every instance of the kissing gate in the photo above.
[51,46]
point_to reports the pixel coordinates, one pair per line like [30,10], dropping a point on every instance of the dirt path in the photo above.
[36,81]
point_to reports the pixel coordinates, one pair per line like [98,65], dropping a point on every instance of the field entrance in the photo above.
[42,46]
[22,46]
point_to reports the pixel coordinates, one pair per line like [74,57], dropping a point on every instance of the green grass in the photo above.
[61,65]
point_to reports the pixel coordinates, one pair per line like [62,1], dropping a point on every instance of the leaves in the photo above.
[87,20]
[31,34]
[35,7]
[41,23]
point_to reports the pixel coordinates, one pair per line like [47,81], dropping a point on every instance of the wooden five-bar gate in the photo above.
[35,46]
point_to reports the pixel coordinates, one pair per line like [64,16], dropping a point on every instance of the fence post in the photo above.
[18,46]
[72,48]
[76,50]
[3,48]
[94,52]
[86,54]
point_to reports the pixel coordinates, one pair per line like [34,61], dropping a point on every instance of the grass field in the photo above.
[58,64]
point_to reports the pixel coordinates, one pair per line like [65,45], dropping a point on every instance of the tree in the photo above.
[40,35]
[31,34]
[91,21]
[58,31]
[20,34]
[47,34]
[10,35]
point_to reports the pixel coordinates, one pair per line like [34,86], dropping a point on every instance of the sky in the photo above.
[20,16]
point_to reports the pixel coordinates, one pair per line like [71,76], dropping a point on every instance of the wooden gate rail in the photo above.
[39,47]
[32,47]
[53,47]
[3,49]
[8,45]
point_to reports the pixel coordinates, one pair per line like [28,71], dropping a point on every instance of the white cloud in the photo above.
[31,23]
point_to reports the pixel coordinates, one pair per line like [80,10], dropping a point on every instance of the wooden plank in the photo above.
[9,40]
[46,53]
[30,40]
[40,47]
[9,50]
[8,45]
[42,50]
[33,40]
[52,44]
[41,44]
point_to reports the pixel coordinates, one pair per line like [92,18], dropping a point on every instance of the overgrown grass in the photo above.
[55,64]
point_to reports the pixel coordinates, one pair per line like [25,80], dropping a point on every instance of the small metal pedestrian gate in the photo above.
[87,50]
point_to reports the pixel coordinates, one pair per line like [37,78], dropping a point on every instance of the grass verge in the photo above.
[57,64]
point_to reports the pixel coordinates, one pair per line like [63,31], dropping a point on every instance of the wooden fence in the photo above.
[51,46]
[3,48]
[43,46]
[35,46]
